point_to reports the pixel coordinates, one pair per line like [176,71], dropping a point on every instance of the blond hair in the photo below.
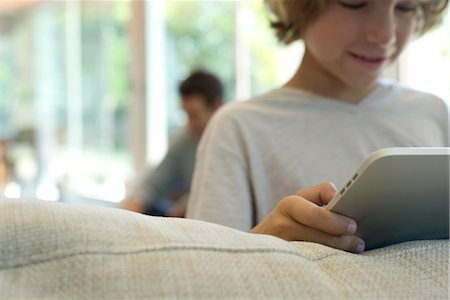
[290,18]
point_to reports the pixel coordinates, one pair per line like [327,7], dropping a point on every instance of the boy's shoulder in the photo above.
[242,111]
[396,94]
[400,90]
[244,104]
[275,97]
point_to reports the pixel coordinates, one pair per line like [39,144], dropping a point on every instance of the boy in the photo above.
[320,125]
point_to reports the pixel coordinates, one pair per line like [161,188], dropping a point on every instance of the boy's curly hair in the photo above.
[291,17]
[431,13]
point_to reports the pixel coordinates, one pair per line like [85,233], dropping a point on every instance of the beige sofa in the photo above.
[61,251]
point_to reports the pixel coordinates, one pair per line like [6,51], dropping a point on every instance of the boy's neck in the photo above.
[313,79]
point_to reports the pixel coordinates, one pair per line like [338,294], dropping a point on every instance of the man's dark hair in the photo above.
[204,84]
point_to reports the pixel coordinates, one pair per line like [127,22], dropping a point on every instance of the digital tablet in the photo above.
[398,195]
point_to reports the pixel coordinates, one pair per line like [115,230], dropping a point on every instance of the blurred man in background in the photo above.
[164,190]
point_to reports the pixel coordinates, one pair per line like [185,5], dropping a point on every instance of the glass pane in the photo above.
[104,59]
[63,110]
[33,103]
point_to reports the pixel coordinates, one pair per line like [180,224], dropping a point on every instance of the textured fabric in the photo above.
[61,251]
[173,174]
[256,152]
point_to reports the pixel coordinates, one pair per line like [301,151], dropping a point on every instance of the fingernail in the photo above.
[360,247]
[334,186]
[351,228]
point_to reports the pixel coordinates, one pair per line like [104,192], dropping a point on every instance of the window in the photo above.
[65,92]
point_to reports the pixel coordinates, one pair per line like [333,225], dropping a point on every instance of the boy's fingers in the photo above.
[315,224]
[320,194]
[348,243]
[307,213]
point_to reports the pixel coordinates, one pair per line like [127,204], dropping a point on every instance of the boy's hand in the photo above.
[300,217]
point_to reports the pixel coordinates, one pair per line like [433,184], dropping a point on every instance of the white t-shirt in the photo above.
[256,152]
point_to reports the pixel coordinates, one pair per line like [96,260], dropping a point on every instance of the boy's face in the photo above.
[198,113]
[352,41]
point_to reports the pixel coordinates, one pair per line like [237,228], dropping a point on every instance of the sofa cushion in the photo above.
[62,251]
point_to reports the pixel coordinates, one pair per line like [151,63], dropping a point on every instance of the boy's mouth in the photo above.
[374,62]
[369,59]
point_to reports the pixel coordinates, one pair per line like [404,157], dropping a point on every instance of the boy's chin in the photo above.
[363,83]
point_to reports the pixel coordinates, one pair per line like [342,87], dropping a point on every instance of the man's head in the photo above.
[201,95]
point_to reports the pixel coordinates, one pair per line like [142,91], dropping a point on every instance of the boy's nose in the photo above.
[380,29]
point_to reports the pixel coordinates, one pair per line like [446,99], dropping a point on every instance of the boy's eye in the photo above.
[353,5]
[407,7]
